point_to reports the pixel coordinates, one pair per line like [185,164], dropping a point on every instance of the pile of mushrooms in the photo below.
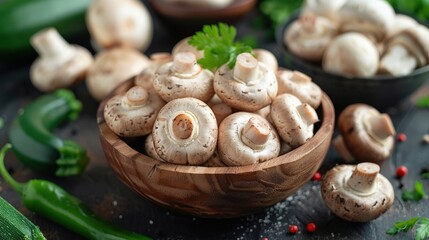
[358,38]
[189,115]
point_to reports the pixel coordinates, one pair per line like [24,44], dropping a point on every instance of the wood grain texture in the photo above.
[217,191]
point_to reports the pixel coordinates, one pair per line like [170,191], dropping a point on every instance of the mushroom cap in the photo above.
[359,139]
[308,36]
[214,161]
[185,132]
[293,119]
[299,85]
[150,148]
[203,3]
[133,114]
[145,78]
[267,58]
[351,54]
[325,8]
[111,67]
[233,151]
[120,23]
[170,83]
[350,204]
[375,17]
[247,94]
[184,46]
[401,23]
[49,74]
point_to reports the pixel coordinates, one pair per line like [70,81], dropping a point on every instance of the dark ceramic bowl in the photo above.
[381,91]
[186,19]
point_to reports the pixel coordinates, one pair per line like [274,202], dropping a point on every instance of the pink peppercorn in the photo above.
[317,176]
[402,137]
[401,171]
[293,229]
[311,227]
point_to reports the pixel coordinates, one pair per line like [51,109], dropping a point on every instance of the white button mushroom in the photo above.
[366,134]
[267,58]
[149,147]
[184,46]
[185,132]
[405,51]
[145,78]
[184,77]
[324,8]
[402,22]
[60,64]
[293,119]
[111,67]
[357,193]
[133,114]
[351,54]
[372,18]
[249,86]
[120,23]
[299,85]
[308,36]
[214,161]
[247,138]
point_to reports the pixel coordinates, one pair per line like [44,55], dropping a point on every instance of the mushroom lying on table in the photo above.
[309,36]
[366,134]
[184,77]
[111,67]
[293,119]
[133,114]
[185,132]
[247,138]
[351,54]
[60,64]
[299,85]
[357,193]
[249,86]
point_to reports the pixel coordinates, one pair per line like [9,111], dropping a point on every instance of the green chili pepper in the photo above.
[34,143]
[51,201]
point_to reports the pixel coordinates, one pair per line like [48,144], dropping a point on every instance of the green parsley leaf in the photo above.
[423,102]
[416,195]
[219,46]
[422,231]
[425,175]
[403,226]
[1,123]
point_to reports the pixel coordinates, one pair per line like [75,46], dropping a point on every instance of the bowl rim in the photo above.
[279,35]
[325,130]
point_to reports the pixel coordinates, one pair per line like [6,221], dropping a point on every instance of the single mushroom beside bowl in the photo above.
[215,192]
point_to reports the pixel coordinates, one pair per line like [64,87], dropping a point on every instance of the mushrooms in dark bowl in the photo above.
[218,191]
[380,62]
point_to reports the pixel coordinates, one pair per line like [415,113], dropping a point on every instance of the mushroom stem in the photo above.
[136,96]
[246,69]
[307,113]
[379,126]
[341,148]
[300,77]
[255,134]
[398,61]
[308,22]
[185,64]
[362,178]
[49,43]
[183,126]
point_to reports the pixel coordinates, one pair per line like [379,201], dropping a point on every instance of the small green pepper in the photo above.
[51,201]
[34,143]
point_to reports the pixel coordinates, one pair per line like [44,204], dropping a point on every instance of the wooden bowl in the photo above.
[185,20]
[218,192]
[380,91]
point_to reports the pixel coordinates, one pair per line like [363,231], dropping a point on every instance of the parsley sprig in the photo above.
[422,231]
[219,46]
[415,195]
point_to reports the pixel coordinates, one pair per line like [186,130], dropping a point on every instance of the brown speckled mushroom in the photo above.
[249,86]
[112,67]
[184,77]
[247,138]
[357,193]
[366,135]
[219,108]
[185,132]
[405,51]
[371,18]
[60,64]
[293,119]
[299,85]
[133,114]
[351,54]
[267,58]
[184,46]
[308,36]
[150,148]
[145,78]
